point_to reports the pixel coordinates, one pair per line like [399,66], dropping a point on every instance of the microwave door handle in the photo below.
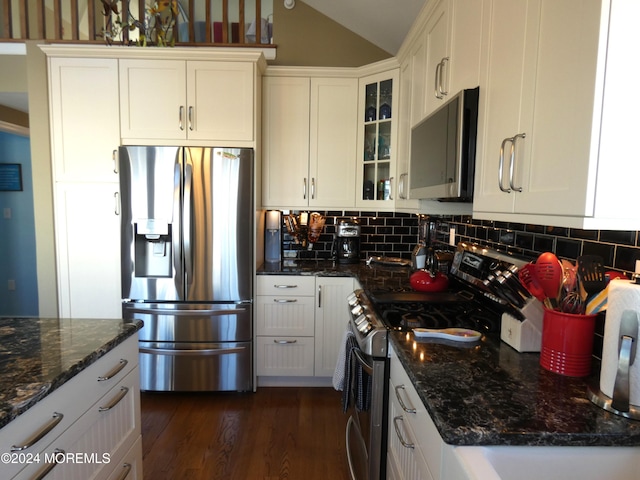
[501,165]
[512,162]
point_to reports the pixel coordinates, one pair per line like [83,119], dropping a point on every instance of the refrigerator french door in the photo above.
[187,264]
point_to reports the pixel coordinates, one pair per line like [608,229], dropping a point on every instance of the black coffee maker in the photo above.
[346,242]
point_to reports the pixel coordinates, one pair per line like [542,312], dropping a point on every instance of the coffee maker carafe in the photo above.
[346,242]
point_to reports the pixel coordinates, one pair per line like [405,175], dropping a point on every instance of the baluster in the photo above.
[225,21]
[258,17]
[241,23]
[91,15]
[57,20]
[75,22]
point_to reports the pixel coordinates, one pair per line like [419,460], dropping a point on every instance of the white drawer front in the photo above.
[286,285]
[284,356]
[285,315]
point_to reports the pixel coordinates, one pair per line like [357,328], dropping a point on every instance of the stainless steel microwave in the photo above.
[443,150]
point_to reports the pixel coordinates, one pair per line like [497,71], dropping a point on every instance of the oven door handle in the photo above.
[362,361]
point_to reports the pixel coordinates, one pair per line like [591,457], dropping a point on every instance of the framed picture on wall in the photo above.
[10,177]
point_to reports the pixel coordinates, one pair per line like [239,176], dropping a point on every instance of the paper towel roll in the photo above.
[623,295]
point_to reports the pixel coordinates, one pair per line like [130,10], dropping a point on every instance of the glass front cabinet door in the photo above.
[377,140]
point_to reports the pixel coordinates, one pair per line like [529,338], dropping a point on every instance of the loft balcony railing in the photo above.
[126,22]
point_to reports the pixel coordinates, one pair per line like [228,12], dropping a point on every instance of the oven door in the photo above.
[366,427]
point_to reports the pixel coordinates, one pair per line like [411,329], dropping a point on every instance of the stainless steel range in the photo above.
[472,302]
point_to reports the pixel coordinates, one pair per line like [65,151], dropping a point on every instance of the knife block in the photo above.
[524,335]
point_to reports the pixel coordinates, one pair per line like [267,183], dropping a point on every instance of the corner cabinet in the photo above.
[300,324]
[556,122]
[309,130]
[85,178]
[377,132]
[211,101]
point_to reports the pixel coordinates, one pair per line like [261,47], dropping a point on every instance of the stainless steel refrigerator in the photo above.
[187,264]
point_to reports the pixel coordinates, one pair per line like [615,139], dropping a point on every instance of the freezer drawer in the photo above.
[175,322]
[196,367]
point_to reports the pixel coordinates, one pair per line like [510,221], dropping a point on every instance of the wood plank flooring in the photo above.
[275,433]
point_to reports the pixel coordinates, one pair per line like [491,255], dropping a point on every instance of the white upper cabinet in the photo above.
[85,118]
[557,114]
[309,150]
[438,56]
[197,100]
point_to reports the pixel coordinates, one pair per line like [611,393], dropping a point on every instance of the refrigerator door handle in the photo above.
[186,313]
[194,353]
[186,220]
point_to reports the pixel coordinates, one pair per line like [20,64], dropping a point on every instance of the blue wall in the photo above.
[17,234]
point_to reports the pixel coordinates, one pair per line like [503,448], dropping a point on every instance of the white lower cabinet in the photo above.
[95,425]
[300,322]
[415,450]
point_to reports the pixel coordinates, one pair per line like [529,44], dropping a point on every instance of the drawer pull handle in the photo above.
[45,471]
[402,404]
[402,440]
[285,286]
[116,400]
[285,300]
[114,371]
[126,470]
[57,418]
[285,342]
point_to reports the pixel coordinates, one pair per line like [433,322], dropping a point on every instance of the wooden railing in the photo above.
[169,22]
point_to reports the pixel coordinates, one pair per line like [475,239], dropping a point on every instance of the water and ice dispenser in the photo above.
[153,252]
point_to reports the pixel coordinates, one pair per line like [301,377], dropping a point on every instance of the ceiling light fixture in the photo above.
[289,4]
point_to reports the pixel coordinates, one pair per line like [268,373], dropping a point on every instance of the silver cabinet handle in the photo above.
[391,188]
[402,404]
[512,161]
[402,193]
[441,89]
[285,300]
[116,197]
[35,438]
[319,296]
[304,188]
[313,188]
[116,400]
[285,286]
[437,80]
[399,434]
[501,164]
[181,117]
[114,371]
[285,342]
[126,470]
[45,471]
[190,118]
[114,156]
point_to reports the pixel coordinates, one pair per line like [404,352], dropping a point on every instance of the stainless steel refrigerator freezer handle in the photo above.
[192,353]
[176,313]
[188,184]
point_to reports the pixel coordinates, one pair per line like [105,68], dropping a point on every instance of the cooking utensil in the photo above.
[548,271]
[572,303]
[455,334]
[591,274]
[527,277]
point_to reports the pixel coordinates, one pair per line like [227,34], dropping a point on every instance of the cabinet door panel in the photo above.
[84,118]
[88,250]
[500,100]
[332,149]
[331,321]
[220,101]
[285,142]
[438,69]
[153,99]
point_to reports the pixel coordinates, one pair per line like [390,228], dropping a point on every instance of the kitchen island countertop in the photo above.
[488,393]
[38,355]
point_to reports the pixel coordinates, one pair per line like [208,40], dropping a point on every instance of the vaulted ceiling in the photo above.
[384,23]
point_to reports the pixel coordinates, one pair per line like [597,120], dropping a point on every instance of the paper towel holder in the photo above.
[627,347]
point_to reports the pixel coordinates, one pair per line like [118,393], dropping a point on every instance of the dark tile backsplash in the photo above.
[395,234]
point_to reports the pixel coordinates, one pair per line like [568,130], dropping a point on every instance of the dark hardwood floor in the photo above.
[275,433]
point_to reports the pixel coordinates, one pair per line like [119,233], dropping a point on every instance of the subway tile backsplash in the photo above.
[395,234]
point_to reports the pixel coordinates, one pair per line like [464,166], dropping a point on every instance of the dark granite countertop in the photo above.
[488,393]
[38,355]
